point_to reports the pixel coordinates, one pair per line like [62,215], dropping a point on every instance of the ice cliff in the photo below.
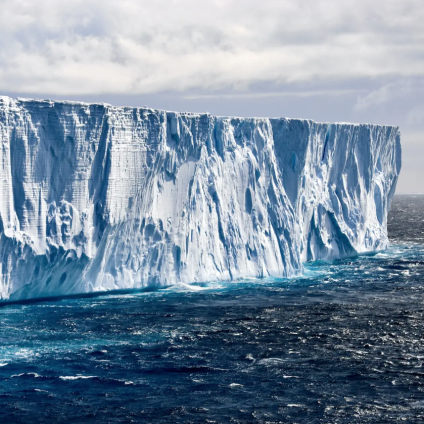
[96,197]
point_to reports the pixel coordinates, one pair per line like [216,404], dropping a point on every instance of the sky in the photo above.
[326,60]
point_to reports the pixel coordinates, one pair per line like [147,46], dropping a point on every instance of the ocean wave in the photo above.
[77,377]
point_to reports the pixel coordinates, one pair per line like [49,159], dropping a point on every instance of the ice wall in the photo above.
[95,197]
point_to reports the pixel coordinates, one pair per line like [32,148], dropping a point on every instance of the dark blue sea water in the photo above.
[343,344]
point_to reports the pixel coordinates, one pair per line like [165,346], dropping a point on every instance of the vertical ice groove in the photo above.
[96,197]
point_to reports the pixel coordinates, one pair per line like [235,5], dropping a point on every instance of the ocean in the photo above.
[344,343]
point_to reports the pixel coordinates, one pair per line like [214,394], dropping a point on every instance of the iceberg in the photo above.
[95,197]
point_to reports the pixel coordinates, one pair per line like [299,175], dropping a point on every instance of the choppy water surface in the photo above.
[343,344]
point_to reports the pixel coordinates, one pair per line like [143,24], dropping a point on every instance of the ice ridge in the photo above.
[95,197]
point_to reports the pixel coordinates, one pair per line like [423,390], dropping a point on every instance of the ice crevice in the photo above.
[95,197]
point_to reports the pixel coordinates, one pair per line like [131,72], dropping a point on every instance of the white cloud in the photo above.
[416,117]
[137,46]
[402,88]
[377,97]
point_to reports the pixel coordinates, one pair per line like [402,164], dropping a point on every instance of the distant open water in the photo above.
[343,344]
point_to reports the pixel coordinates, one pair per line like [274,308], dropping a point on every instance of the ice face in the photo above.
[96,197]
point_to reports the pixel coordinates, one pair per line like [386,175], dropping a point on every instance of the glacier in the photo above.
[96,197]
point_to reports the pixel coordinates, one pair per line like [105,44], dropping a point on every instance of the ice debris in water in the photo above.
[96,197]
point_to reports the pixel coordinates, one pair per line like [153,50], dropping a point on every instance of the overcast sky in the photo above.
[345,60]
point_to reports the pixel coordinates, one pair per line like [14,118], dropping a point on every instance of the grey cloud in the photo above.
[139,46]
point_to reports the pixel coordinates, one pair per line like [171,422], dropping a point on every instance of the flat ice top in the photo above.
[185,113]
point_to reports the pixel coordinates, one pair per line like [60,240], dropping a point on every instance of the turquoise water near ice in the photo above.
[344,343]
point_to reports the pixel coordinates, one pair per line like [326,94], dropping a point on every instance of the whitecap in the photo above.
[183,287]
[24,353]
[30,374]
[76,377]
[271,361]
